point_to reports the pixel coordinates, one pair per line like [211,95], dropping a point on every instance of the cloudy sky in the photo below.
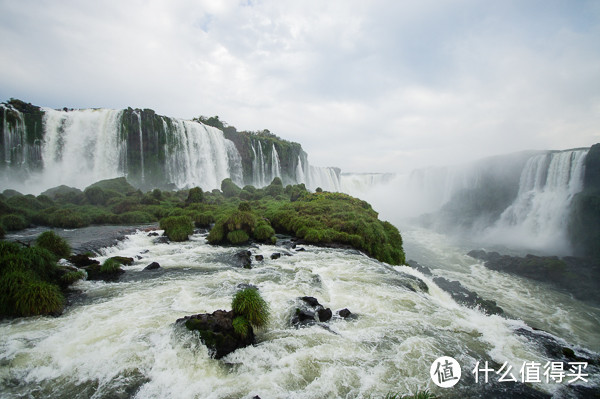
[365,85]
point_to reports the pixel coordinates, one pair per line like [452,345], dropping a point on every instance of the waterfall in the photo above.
[300,176]
[359,183]
[17,151]
[538,217]
[275,167]
[199,155]
[258,165]
[82,147]
[139,116]
[324,177]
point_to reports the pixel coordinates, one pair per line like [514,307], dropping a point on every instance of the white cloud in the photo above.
[379,85]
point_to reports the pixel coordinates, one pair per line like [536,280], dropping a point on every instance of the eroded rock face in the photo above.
[217,332]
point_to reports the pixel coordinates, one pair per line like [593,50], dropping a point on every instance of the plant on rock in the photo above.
[248,304]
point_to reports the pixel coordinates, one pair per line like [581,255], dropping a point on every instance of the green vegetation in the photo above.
[30,279]
[238,215]
[110,265]
[177,228]
[241,326]
[249,305]
[54,243]
[418,395]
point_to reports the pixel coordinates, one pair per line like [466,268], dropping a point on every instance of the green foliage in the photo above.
[264,231]
[71,277]
[177,228]
[68,218]
[237,237]
[110,265]
[136,217]
[13,222]
[54,243]
[118,184]
[196,195]
[244,207]
[241,326]
[37,298]
[335,217]
[275,188]
[229,188]
[249,304]
[2,232]
[157,194]
[203,219]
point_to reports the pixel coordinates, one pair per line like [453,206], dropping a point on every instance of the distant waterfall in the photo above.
[275,165]
[17,151]
[199,155]
[538,217]
[139,116]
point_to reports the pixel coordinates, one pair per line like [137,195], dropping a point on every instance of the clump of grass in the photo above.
[71,277]
[241,326]
[37,298]
[177,228]
[54,243]
[249,304]
[110,265]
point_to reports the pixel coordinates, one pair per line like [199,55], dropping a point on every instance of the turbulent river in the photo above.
[119,340]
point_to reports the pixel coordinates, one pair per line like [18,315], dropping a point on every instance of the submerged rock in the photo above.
[344,313]
[125,261]
[152,266]
[82,260]
[309,311]
[217,333]
[244,259]
[94,272]
[468,298]
[275,255]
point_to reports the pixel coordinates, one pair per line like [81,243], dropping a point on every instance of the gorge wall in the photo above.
[43,148]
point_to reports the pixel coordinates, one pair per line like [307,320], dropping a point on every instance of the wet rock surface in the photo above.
[217,333]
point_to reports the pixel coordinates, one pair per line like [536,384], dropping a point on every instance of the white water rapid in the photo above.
[119,339]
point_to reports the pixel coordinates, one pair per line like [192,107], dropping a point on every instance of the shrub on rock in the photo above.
[249,304]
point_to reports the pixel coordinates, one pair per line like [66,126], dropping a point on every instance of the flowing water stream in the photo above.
[119,340]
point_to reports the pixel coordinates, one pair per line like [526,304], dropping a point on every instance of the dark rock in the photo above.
[138,257]
[324,314]
[145,251]
[423,269]
[311,301]
[152,266]
[125,261]
[217,333]
[82,260]
[345,313]
[466,297]
[259,257]
[153,234]
[161,240]
[244,259]
[276,255]
[94,272]
[300,249]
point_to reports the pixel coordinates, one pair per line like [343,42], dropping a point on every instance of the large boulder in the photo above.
[217,332]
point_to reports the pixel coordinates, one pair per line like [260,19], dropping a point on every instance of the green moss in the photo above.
[249,304]
[54,243]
